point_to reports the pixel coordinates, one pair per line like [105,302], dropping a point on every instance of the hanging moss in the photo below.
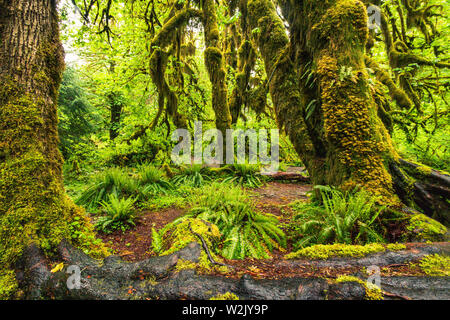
[164,36]
[395,92]
[215,66]
[283,82]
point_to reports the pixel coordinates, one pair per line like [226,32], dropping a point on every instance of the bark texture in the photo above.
[33,205]
[324,101]
[214,62]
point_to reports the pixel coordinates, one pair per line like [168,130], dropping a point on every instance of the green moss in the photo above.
[395,246]
[424,170]
[325,251]
[435,265]
[163,37]
[423,227]
[180,236]
[33,204]
[225,296]
[8,284]
[185,265]
[373,292]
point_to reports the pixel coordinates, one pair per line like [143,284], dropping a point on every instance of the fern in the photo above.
[111,181]
[151,180]
[245,232]
[343,217]
[242,174]
[194,175]
[119,214]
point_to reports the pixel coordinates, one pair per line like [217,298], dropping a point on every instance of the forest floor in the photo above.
[273,197]
[135,244]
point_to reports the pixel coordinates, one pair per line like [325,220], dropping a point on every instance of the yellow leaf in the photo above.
[58,267]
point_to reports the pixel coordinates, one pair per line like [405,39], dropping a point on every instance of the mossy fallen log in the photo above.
[157,278]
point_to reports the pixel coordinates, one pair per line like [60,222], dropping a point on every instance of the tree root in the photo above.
[429,189]
[156,278]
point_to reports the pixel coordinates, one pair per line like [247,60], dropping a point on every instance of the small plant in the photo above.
[111,181]
[245,232]
[194,175]
[242,174]
[152,181]
[343,217]
[157,241]
[119,214]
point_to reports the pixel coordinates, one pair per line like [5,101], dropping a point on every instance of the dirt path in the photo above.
[275,197]
[135,244]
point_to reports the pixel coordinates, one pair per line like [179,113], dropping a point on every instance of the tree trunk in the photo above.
[324,101]
[215,66]
[115,106]
[33,205]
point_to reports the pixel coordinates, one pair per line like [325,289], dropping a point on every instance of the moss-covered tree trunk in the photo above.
[323,98]
[33,205]
[214,62]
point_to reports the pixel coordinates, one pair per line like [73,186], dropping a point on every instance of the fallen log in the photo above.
[156,278]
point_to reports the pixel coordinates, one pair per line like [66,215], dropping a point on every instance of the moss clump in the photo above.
[395,246]
[325,251]
[183,264]
[373,292]
[180,235]
[225,296]
[424,170]
[424,228]
[435,265]
[8,284]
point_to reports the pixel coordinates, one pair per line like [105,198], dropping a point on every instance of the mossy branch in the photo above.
[395,92]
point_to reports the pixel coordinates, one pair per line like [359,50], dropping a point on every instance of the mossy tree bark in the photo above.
[214,62]
[323,99]
[33,204]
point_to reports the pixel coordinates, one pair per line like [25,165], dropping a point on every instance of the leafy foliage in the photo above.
[343,217]
[119,214]
[243,174]
[245,232]
[112,181]
[194,175]
[77,117]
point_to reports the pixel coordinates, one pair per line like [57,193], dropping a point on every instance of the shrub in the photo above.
[112,181]
[194,175]
[343,217]
[245,232]
[152,181]
[243,174]
[119,214]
